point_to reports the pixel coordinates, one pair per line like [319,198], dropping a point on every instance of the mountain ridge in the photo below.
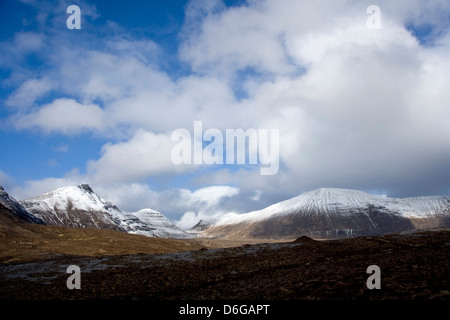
[334,212]
[80,207]
[320,213]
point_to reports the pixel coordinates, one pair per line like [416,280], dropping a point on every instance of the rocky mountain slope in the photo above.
[14,208]
[80,207]
[74,206]
[335,213]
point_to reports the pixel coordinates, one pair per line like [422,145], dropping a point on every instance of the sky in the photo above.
[359,98]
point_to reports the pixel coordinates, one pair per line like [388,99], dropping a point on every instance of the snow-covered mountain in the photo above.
[80,207]
[15,208]
[153,223]
[321,213]
[202,225]
[332,212]
[74,206]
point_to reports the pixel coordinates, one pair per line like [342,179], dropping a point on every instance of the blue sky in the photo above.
[39,155]
[355,108]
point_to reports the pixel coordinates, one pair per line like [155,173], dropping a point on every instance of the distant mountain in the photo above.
[80,207]
[153,223]
[14,208]
[336,213]
[202,225]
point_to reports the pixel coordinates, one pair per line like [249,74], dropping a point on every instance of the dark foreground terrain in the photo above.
[413,266]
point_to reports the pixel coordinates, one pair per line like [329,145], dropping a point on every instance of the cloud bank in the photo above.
[355,108]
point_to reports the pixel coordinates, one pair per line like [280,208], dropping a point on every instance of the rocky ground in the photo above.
[413,267]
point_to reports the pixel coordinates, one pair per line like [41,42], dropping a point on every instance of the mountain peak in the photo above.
[86,187]
[335,191]
[75,206]
[80,207]
[148,211]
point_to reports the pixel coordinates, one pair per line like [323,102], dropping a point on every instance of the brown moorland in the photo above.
[115,265]
[24,242]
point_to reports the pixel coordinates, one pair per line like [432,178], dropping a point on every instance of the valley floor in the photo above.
[413,266]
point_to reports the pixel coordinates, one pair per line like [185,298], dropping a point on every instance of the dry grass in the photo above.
[20,242]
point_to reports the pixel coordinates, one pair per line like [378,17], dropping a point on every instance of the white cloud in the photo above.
[63,115]
[28,41]
[365,99]
[145,154]
[203,203]
[188,220]
[355,107]
[6,181]
[222,41]
[15,50]
[184,207]
[145,50]
[165,105]
[32,188]
[211,196]
[129,197]
[28,92]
